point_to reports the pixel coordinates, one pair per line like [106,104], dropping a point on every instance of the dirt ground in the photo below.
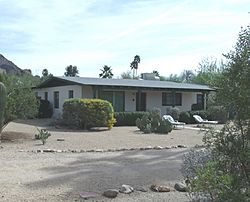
[28,176]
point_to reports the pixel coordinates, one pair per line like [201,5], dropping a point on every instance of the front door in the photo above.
[141,101]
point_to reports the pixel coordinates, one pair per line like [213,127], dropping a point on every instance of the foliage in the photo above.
[21,100]
[128,118]
[209,72]
[152,122]
[227,176]
[134,64]
[45,73]
[172,77]
[156,73]
[45,109]
[71,71]
[187,76]
[42,135]
[106,72]
[127,75]
[185,117]
[88,113]
[2,104]
[217,113]
[174,112]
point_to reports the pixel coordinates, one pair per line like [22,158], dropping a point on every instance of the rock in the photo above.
[148,147]
[142,189]
[49,150]
[159,188]
[180,187]
[126,189]
[111,193]
[60,139]
[167,147]
[158,147]
[87,195]
[59,151]
[181,146]
[99,150]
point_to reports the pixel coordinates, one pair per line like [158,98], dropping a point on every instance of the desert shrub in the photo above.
[185,117]
[88,113]
[127,118]
[45,109]
[42,135]
[227,176]
[153,123]
[174,112]
[2,104]
[197,107]
[217,113]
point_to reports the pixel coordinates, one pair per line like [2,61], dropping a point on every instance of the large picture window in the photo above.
[169,100]
[56,99]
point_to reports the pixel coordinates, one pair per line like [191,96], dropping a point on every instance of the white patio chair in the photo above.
[172,121]
[200,120]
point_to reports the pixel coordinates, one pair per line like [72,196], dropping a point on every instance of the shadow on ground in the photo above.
[100,171]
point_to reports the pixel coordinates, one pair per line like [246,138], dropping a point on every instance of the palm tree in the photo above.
[134,64]
[45,72]
[71,71]
[106,72]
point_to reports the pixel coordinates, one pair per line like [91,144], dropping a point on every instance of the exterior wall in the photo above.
[153,98]
[63,95]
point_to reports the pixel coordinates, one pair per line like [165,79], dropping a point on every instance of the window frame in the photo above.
[56,99]
[167,99]
[70,95]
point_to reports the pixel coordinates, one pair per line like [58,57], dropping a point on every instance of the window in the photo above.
[56,99]
[200,98]
[46,95]
[116,98]
[71,94]
[169,100]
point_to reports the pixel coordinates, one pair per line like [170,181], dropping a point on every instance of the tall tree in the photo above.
[106,72]
[126,75]
[208,72]
[71,71]
[187,76]
[134,64]
[156,73]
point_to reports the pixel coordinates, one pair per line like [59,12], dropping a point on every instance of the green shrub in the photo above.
[174,112]
[152,122]
[45,109]
[128,118]
[217,113]
[88,113]
[2,104]
[185,117]
[42,135]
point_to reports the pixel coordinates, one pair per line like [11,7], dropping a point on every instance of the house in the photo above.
[125,94]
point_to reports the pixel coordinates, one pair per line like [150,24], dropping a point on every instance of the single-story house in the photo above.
[125,94]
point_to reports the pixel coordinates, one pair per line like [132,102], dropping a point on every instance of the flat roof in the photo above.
[133,83]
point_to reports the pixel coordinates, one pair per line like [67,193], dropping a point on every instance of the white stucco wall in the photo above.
[153,98]
[63,95]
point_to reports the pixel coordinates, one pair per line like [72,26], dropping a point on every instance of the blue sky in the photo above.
[169,36]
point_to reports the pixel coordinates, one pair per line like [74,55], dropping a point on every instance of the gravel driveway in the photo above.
[28,176]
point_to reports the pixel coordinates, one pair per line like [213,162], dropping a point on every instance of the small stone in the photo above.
[98,150]
[159,188]
[111,193]
[167,147]
[142,148]
[142,189]
[148,147]
[126,189]
[158,147]
[87,195]
[82,151]
[131,149]
[48,150]
[59,151]
[60,139]
[181,146]
[180,187]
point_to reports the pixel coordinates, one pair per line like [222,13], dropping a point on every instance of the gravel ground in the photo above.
[27,176]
